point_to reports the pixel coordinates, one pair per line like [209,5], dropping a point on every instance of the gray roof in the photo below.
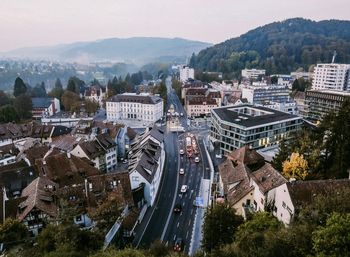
[230,114]
[41,102]
[144,99]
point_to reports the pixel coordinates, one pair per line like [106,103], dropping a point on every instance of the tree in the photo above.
[58,84]
[334,238]
[91,106]
[74,85]
[13,231]
[220,224]
[69,98]
[4,99]
[19,87]
[8,114]
[281,156]
[111,252]
[23,105]
[57,91]
[39,90]
[296,167]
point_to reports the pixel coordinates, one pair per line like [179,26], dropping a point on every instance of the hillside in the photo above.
[279,47]
[138,50]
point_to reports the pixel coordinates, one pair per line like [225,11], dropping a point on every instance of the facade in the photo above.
[236,126]
[260,93]
[300,74]
[146,163]
[252,73]
[289,107]
[331,76]
[322,102]
[144,108]
[200,101]
[186,73]
[96,94]
[45,107]
[299,99]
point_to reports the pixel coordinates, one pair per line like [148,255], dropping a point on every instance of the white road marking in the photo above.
[191,211]
[187,235]
[178,224]
[189,222]
[174,237]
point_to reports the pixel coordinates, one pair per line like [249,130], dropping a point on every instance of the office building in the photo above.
[331,76]
[252,73]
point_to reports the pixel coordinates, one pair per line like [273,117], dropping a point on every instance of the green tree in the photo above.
[220,224]
[19,87]
[4,99]
[13,231]
[69,99]
[333,239]
[57,91]
[281,156]
[111,252]
[91,106]
[8,113]
[23,105]
[39,90]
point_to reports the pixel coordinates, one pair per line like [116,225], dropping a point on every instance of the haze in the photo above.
[25,23]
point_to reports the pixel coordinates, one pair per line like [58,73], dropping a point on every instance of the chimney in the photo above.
[68,155]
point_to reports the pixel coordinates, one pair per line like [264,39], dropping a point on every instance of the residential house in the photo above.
[95,93]
[45,107]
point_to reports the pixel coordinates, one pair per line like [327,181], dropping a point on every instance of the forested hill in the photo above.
[279,47]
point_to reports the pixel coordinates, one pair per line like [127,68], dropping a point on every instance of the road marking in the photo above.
[174,237]
[178,224]
[187,235]
[189,222]
[191,211]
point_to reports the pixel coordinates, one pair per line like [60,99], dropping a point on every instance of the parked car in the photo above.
[196,159]
[182,151]
[183,189]
[182,171]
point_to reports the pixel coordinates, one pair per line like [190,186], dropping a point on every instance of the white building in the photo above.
[252,73]
[290,107]
[260,93]
[146,163]
[331,76]
[45,107]
[142,107]
[300,74]
[95,94]
[186,73]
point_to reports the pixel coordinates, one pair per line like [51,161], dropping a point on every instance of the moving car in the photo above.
[182,151]
[196,159]
[183,189]
[179,244]
[181,171]
[177,208]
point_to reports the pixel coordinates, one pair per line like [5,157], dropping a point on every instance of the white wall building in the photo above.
[143,108]
[331,76]
[186,73]
[252,73]
[260,93]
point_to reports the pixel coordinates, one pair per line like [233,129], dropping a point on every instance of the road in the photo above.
[164,224]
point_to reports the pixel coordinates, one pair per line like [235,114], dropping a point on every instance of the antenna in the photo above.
[334,55]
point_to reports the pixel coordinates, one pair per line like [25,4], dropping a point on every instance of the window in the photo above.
[135,178]
[284,205]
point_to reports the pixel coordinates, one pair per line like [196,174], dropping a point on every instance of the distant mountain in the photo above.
[137,50]
[279,47]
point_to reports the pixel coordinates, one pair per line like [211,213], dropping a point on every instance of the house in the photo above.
[247,182]
[292,196]
[200,101]
[39,204]
[8,154]
[95,93]
[102,152]
[45,107]
[146,163]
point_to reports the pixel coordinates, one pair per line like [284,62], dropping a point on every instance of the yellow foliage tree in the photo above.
[296,167]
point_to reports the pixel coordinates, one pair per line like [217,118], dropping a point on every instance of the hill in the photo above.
[279,47]
[138,50]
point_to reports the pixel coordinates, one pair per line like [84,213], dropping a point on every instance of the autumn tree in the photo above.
[69,99]
[296,167]
[91,106]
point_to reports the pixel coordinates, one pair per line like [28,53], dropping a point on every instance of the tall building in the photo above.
[143,108]
[260,93]
[252,73]
[236,126]
[331,76]
[186,73]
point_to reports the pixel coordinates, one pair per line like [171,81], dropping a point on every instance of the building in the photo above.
[236,126]
[45,107]
[200,101]
[95,94]
[331,76]
[293,196]
[247,182]
[144,108]
[260,93]
[300,74]
[284,80]
[289,107]
[322,102]
[252,73]
[186,73]
[146,163]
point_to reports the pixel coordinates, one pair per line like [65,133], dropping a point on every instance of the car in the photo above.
[178,245]
[183,189]
[181,114]
[181,171]
[218,156]
[177,208]
[125,161]
[196,159]
[182,151]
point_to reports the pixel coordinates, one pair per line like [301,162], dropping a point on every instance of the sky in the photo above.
[26,23]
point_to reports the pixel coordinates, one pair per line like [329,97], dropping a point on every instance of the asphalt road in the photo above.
[164,223]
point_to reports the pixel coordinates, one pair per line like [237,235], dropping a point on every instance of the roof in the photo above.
[267,178]
[38,152]
[248,157]
[9,149]
[105,141]
[200,100]
[65,143]
[65,169]
[92,149]
[304,192]
[40,195]
[249,115]
[134,98]
[41,102]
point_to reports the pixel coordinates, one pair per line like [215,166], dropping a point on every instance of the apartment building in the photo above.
[331,76]
[186,73]
[236,126]
[252,73]
[200,101]
[260,93]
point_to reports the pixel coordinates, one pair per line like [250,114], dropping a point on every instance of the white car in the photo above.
[196,159]
[181,171]
[182,151]
[183,189]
